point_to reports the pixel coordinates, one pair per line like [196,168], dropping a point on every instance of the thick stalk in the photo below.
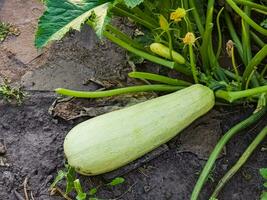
[145,16]
[251,4]
[147,56]
[196,17]
[246,42]
[219,48]
[235,67]
[261,136]
[234,35]
[233,96]
[108,93]
[192,63]
[246,18]
[257,39]
[158,78]
[219,147]
[134,17]
[207,36]
[254,62]
[123,36]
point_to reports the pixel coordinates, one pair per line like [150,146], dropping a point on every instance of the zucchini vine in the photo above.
[174,25]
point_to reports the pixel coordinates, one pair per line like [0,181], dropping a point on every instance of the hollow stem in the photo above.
[251,4]
[170,43]
[146,55]
[234,35]
[219,147]
[246,18]
[196,17]
[192,63]
[123,36]
[260,137]
[145,16]
[254,62]
[233,96]
[133,17]
[219,48]
[235,67]
[257,39]
[158,78]
[108,93]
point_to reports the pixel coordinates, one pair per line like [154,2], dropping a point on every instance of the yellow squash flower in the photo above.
[178,14]
[189,38]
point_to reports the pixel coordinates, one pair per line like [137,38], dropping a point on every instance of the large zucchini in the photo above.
[112,140]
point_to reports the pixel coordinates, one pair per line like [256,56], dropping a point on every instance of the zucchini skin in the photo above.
[109,141]
[164,51]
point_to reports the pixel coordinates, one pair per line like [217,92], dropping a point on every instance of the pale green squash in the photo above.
[112,140]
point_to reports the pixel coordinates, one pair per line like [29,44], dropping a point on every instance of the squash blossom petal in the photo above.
[189,38]
[178,14]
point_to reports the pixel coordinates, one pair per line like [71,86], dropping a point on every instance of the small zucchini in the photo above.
[164,51]
[109,141]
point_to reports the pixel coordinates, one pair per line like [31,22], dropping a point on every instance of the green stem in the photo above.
[205,49]
[259,11]
[123,36]
[233,96]
[170,43]
[257,39]
[196,17]
[242,160]
[158,78]
[250,78]
[234,35]
[251,4]
[133,17]
[235,68]
[108,93]
[247,18]
[219,147]
[145,16]
[219,33]
[263,71]
[231,74]
[192,63]
[254,62]
[246,42]
[148,56]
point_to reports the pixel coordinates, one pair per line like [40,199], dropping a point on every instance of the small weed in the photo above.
[73,184]
[263,173]
[7,29]
[9,93]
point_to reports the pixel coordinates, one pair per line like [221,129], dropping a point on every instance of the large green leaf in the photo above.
[62,15]
[132,3]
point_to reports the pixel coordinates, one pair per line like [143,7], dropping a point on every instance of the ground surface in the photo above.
[33,138]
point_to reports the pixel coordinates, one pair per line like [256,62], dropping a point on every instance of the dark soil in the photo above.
[33,138]
[33,141]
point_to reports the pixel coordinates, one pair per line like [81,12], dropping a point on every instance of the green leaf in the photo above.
[132,3]
[61,16]
[264,196]
[265,185]
[92,191]
[80,194]
[70,176]
[116,181]
[263,173]
[264,23]
[60,175]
